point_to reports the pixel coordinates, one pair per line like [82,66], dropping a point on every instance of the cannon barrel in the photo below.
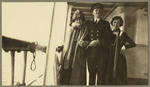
[11,44]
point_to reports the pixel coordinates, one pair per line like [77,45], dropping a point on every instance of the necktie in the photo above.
[95,21]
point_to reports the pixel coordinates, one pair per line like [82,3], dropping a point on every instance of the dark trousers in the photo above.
[97,66]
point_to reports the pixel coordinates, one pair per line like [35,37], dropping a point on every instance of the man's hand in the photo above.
[94,43]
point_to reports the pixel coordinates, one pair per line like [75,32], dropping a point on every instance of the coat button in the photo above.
[91,34]
[97,30]
[91,30]
[97,35]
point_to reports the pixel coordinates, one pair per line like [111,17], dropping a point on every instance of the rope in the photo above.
[33,62]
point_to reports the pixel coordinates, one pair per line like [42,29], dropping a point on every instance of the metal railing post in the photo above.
[12,66]
[24,72]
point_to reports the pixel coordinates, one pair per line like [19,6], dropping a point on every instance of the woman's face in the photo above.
[116,24]
[79,21]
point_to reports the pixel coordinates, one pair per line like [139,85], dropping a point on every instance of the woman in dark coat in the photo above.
[117,68]
[73,66]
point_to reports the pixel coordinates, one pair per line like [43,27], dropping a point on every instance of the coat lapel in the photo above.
[93,24]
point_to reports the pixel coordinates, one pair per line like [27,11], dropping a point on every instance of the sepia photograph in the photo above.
[75,43]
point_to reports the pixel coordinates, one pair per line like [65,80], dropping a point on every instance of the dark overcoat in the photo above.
[121,67]
[74,60]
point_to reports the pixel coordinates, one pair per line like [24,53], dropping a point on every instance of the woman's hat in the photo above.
[78,14]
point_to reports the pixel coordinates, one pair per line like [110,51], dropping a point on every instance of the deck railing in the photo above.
[13,45]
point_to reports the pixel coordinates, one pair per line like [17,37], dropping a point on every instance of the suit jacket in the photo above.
[100,31]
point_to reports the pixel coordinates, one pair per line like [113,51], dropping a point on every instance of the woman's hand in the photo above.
[123,50]
[75,25]
[83,43]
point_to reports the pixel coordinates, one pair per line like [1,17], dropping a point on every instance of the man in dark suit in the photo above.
[98,35]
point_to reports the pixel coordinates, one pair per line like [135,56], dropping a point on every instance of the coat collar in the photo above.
[119,30]
[98,21]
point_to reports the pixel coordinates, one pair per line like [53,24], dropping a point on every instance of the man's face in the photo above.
[97,12]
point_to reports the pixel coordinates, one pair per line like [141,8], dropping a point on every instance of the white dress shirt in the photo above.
[96,20]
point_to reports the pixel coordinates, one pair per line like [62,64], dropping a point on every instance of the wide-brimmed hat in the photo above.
[97,5]
[78,14]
